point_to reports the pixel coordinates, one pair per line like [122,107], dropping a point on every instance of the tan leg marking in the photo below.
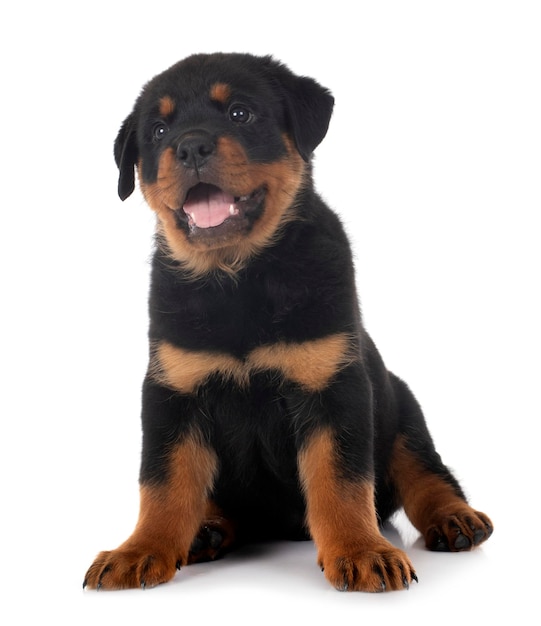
[342,520]
[446,521]
[169,518]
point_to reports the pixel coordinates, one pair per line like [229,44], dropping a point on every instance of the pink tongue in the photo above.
[208,206]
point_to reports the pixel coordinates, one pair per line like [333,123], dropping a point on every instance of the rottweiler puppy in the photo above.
[267,410]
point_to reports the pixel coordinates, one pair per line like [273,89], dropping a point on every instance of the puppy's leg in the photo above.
[432,497]
[342,520]
[434,502]
[177,473]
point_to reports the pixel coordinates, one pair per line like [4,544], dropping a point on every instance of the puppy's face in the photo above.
[221,145]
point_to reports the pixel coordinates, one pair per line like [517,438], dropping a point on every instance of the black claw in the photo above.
[143,585]
[104,571]
[207,538]
[197,545]
[85,583]
[178,564]
[478,536]
[405,583]
[441,545]
[215,539]
[414,577]
[462,542]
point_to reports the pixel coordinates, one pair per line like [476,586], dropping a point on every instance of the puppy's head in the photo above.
[221,144]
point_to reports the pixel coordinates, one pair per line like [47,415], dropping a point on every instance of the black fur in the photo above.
[298,288]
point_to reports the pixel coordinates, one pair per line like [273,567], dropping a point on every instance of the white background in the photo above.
[432,160]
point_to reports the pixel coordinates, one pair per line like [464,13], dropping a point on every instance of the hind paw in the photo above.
[214,538]
[457,531]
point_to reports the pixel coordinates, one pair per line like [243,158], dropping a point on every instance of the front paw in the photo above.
[380,567]
[457,530]
[127,568]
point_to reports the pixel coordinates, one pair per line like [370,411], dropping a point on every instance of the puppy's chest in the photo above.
[231,318]
[237,333]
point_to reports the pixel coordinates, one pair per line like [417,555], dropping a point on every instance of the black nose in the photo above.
[195,149]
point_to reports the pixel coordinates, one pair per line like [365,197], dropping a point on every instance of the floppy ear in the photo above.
[308,109]
[126,154]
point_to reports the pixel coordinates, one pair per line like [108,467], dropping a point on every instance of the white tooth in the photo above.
[232,209]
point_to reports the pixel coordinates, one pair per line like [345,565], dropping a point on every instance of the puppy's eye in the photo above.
[159,131]
[240,114]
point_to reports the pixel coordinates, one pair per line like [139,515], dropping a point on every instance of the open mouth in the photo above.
[207,206]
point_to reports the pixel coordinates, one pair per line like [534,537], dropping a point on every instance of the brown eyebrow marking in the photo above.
[220,92]
[167,106]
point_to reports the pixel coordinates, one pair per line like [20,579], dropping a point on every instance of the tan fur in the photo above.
[220,92]
[185,370]
[311,364]
[339,511]
[233,172]
[169,518]
[167,106]
[432,504]
[421,492]
[342,520]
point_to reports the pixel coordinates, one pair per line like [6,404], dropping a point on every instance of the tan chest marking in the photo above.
[311,364]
